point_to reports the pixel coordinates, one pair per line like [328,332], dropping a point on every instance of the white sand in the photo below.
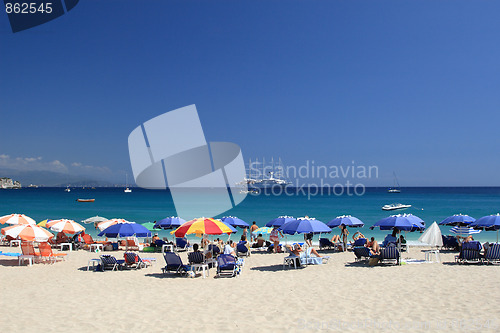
[339,296]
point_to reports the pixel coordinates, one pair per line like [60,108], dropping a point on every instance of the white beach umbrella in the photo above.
[64,225]
[108,223]
[17,219]
[94,219]
[432,236]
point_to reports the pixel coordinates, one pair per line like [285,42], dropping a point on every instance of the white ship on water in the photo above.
[264,176]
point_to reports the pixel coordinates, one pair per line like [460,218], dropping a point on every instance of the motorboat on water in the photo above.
[85,200]
[67,189]
[127,190]
[395,206]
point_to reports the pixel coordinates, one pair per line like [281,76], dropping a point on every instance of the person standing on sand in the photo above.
[275,238]
[253,227]
[344,232]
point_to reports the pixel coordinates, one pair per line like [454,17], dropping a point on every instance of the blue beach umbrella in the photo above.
[278,222]
[490,222]
[125,230]
[457,219]
[405,222]
[346,220]
[172,222]
[304,226]
[235,222]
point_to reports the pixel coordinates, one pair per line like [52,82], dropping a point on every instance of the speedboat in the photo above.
[395,206]
[127,190]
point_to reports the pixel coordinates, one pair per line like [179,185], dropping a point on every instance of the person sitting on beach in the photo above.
[357,235]
[154,239]
[335,239]
[391,238]
[297,250]
[402,240]
[373,246]
[62,238]
[260,242]
[243,240]
[229,248]
[196,257]
[468,239]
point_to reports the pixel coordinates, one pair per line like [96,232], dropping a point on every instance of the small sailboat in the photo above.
[395,188]
[127,189]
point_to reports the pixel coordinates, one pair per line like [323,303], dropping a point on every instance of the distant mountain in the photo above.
[51,179]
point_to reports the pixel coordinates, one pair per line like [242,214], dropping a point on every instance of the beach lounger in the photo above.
[389,253]
[470,253]
[359,242]
[28,250]
[181,244]
[110,262]
[133,244]
[493,254]
[133,260]
[174,264]
[227,266]
[325,243]
[449,243]
[47,254]
[362,253]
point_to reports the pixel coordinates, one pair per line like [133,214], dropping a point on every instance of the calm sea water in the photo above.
[430,204]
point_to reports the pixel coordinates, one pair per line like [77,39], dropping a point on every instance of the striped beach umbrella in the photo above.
[203,225]
[108,223]
[262,230]
[66,226]
[28,232]
[464,231]
[16,219]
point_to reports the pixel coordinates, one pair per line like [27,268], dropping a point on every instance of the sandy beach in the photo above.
[339,296]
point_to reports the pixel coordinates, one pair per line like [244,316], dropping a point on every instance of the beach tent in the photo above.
[432,236]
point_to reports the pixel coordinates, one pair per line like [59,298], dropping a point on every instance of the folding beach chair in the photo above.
[181,244]
[470,253]
[110,262]
[47,254]
[133,260]
[226,266]
[449,243]
[493,254]
[174,264]
[362,253]
[28,249]
[389,253]
[242,250]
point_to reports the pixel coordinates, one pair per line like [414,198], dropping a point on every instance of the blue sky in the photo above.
[408,86]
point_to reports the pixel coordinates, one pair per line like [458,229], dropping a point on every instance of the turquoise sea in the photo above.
[430,204]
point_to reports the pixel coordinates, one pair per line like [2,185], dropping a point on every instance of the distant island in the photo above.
[8,183]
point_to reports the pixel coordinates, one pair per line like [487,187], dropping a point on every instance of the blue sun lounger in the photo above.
[470,253]
[493,254]
[362,253]
[174,264]
[389,253]
[110,262]
[227,266]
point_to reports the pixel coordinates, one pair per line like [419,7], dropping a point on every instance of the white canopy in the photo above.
[432,236]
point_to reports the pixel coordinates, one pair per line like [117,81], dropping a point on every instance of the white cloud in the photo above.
[31,164]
